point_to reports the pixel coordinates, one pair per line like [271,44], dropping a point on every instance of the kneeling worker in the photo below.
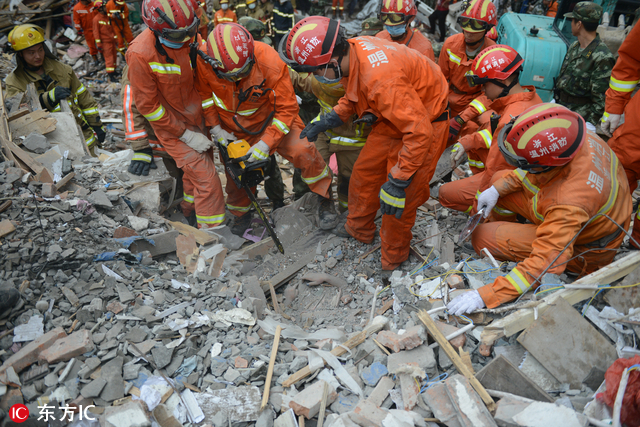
[53,80]
[567,179]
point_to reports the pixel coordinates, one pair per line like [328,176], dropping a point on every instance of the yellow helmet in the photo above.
[24,36]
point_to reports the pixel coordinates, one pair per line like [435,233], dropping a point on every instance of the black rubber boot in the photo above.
[241,224]
[326,214]
[9,298]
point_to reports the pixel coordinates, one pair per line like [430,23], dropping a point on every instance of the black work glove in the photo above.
[392,196]
[100,133]
[367,118]
[321,124]
[141,162]
[455,125]
[57,94]
[117,15]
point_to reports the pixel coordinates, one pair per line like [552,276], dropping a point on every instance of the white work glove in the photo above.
[222,136]
[196,140]
[488,199]
[298,100]
[258,152]
[610,122]
[590,127]
[466,303]
[456,154]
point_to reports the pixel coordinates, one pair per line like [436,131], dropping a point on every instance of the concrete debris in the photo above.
[119,294]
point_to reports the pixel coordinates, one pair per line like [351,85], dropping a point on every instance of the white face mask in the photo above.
[224,6]
[252,6]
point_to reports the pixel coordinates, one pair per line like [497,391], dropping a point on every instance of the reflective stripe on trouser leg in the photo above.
[460,195]
[304,155]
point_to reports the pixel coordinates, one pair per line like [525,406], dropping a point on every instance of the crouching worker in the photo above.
[247,94]
[567,179]
[53,80]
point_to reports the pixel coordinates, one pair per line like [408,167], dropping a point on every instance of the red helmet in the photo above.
[543,136]
[310,43]
[98,4]
[493,34]
[397,12]
[480,15]
[232,45]
[496,62]
[173,20]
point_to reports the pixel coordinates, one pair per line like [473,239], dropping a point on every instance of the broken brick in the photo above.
[455,281]
[447,330]
[307,402]
[29,354]
[121,232]
[68,347]
[241,363]
[367,414]
[412,338]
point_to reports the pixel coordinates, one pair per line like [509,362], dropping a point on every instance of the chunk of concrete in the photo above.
[94,388]
[30,353]
[422,356]
[501,375]
[99,198]
[456,404]
[307,402]
[238,404]
[36,143]
[131,414]
[513,411]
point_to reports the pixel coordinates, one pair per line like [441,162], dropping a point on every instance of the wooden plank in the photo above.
[567,345]
[455,359]
[25,157]
[272,361]
[284,276]
[260,248]
[28,118]
[500,374]
[522,318]
[32,98]
[41,126]
[64,181]
[202,237]
[17,114]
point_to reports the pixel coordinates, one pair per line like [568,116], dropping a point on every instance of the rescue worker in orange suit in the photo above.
[624,79]
[567,177]
[456,58]
[118,11]
[106,40]
[550,7]
[201,13]
[83,22]
[224,15]
[508,99]
[248,95]
[163,87]
[397,15]
[403,95]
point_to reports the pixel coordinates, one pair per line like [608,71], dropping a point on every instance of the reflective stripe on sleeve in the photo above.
[453,57]
[156,115]
[478,106]
[518,281]
[486,136]
[623,85]
[187,197]
[281,126]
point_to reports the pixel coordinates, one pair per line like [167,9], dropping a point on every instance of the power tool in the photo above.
[246,175]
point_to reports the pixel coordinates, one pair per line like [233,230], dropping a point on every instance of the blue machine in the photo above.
[541,46]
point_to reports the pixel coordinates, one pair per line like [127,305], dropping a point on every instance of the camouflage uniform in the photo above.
[257,29]
[584,76]
[371,27]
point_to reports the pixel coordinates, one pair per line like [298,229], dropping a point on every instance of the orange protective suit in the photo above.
[624,79]
[462,195]
[552,11]
[83,21]
[477,143]
[106,40]
[454,64]
[138,130]
[166,96]
[220,100]
[558,203]
[408,94]
[413,39]
[224,16]
[120,25]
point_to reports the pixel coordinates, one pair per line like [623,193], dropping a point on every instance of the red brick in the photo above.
[447,329]
[241,363]
[28,354]
[410,391]
[412,338]
[307,402]
[367,414]
[124,232]
[455,281]
[68,347]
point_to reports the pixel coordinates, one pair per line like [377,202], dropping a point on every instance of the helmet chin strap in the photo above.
[505,88]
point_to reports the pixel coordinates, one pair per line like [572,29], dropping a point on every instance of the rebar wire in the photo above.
[538,279]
